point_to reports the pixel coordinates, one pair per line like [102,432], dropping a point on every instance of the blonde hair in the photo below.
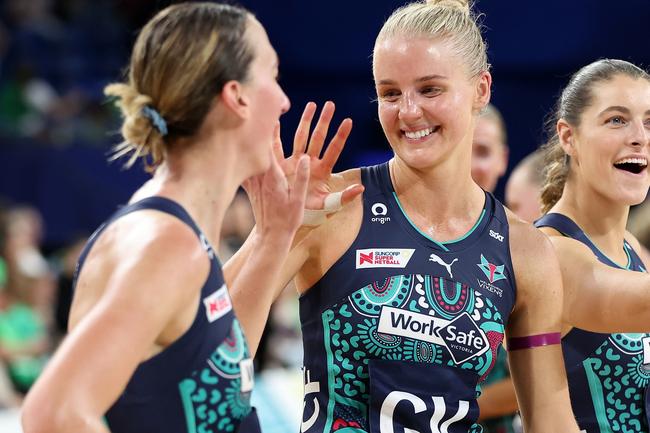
[451,20]
[576,97]
[180,62]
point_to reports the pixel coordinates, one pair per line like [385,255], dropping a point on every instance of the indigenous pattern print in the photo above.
[401,331]
[608,373]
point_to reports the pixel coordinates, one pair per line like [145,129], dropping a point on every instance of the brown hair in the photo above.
[180,63]
[573,101]
[452,20]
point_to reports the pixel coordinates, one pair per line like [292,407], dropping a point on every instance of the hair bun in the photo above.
[458,4]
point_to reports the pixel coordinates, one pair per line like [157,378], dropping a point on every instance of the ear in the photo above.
[483,90]
[234,99]
[566,135]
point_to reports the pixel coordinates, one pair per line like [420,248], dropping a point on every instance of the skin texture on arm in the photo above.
[620,298]
[498,399]
[140,309]
[538,373]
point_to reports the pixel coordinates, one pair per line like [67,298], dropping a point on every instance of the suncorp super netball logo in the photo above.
[384,258]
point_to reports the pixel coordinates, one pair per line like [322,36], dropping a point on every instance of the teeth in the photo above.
[418,134]
[639,161]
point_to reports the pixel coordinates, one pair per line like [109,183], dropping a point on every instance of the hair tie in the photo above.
[156,119]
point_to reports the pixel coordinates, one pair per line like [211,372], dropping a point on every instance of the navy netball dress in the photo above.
[608,373]
[401,330]
[202,381]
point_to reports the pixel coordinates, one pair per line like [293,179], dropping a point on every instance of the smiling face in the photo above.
[427,102]
[610,147]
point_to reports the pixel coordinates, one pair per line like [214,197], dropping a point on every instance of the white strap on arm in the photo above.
[316,217]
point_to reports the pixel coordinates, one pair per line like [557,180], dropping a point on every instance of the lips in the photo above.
[633,165]
[421,133]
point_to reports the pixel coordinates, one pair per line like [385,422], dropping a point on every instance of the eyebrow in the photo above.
[620,109]
[418,80]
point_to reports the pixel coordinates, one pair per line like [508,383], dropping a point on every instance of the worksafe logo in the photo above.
[491,271]
[464,340]
[384,258]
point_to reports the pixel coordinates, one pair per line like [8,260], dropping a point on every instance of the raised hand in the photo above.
[278,201]
[320,168]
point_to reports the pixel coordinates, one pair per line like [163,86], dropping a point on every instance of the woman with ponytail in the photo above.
[596,168]
[160,339]
[408,292]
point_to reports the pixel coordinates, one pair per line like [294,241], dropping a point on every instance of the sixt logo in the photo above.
[492,271]
[496,235]
[384,258]
[409,324]
[379,211]
[463,339]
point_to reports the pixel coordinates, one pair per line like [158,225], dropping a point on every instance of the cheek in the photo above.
[387,113]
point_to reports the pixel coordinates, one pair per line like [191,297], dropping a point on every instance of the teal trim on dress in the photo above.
[597,397]
[470,230]
[330,373]
[629,259]
[440,244]
[186,387]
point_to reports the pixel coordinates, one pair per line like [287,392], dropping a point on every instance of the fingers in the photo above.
[299,189]
[278,152]
[335,147]
[350,193]
[302,132]
[320,131]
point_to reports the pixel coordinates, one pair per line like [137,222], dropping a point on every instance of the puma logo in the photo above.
[434,258]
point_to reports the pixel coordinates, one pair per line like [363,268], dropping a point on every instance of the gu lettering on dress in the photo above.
[201,382]
[608,373]
[401,330]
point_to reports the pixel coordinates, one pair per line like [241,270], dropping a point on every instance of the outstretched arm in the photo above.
[600,298]
[538,372]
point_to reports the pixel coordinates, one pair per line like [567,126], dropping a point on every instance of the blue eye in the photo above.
[616,120]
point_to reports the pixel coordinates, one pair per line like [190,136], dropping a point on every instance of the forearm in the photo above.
[544,400]
[498,399]
[234,265]
[257,284]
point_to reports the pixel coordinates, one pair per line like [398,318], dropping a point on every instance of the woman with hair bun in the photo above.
[596,168]
[408,291]
[154,343]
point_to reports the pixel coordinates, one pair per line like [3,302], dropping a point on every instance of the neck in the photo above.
[443,201]
[602,219]
[202,176]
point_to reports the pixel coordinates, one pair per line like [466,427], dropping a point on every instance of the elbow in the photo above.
[41,417]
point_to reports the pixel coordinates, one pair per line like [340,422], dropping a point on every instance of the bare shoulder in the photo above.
[526,241]
[154,252]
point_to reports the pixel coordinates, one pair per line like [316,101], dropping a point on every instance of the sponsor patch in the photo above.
[463,339]
[384,258]
[406,323]
[217,304]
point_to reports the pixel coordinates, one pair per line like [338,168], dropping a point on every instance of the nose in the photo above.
[640,134]
[409,108]
[286,104]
